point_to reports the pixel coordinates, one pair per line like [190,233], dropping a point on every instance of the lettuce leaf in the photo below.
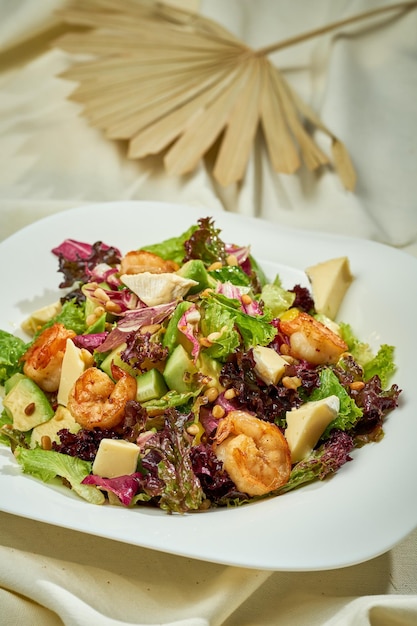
[217,318]
[349,412]
[48,464]
[233,274]
[170,400]
[381,364]
[172,248]
[168,453]
[11,349]
[253,330]
[72,316]
[361,351]
[276,298]
[322,462]
[205,243]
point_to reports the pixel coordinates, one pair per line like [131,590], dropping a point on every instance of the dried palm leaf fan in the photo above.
[174,82]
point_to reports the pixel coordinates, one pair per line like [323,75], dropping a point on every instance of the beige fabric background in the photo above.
[363,83]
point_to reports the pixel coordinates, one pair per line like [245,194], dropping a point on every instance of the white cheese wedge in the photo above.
[269,365]
[62,419]
[73,365]
[306,424]
[154,289]
[115,457]
[329,282]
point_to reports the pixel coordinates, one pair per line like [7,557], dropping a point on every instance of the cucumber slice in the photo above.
[150,386]
[173,336]
[178,370]
[114,357]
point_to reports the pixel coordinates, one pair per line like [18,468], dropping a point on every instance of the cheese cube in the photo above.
[306,424]
[329,282]
[73,365]
[115,457]
[269,365]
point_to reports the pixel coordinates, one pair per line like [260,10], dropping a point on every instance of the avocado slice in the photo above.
[27,405]
[195,270]
[10,382]
[99,326]
[62,419]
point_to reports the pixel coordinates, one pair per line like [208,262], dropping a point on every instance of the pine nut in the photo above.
[231,260]
[215,266]
[46,442]
[30,409]
[151,328]
[357,385]
[193,429]
[112,307]
[291,382]
[100,294]
[289,359]
[211,394]
[214,336]
[218,412]
[246,299]
[229,394]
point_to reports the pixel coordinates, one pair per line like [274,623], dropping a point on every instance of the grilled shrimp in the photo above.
[43,360]
[138,261]
[95,401]
[254,453]
[311,340]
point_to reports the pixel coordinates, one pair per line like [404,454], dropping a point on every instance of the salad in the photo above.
[179,376]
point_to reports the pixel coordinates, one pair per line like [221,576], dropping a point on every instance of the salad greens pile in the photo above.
[191,355]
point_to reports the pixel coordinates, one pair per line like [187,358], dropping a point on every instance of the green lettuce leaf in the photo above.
[276,298]
[257,269]
[254,330]
[11,349]
[172,248]
[381,364]
[48,464]
[170,400]
[233,274]
[216,318]
[361,351]
[349,412]
[72,316]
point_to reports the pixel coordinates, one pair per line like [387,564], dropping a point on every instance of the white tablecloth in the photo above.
[362,82]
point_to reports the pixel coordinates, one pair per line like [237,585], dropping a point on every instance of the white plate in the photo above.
[363,511]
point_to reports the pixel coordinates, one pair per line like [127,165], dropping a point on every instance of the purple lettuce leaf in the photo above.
[77,259]
[132,321]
